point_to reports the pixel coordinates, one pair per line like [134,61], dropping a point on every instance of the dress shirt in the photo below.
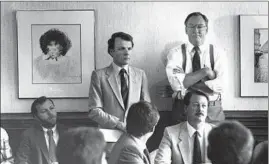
[6,152]
[117,69]
[175,60]
[55,135]
[201,138]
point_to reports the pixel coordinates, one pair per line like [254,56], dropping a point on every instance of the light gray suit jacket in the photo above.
[127,151]
[174,147]
[106,105]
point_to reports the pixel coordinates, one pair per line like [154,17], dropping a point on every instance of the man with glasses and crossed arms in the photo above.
[197,65]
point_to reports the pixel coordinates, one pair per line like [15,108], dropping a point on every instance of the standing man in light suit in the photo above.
[198,65]
[114,88]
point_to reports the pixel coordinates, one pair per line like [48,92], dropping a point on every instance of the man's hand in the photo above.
[177,70]
[210,73]
[121,126]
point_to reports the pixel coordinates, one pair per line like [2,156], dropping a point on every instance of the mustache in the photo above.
[199,113]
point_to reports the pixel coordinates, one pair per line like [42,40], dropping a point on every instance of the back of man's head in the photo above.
[230,143]
[83,145]
[142,118]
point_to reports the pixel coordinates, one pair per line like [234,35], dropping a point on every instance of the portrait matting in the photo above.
[55,53]
[254,55]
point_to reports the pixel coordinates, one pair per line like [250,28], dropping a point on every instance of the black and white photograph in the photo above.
[134,82]
[261,55]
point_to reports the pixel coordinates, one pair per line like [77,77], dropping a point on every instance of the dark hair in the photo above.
[122,35]
[81,145]
[230,142]
[142,118]
[260,153]
[39,101]
[55,35]
[196,14]
[191,92]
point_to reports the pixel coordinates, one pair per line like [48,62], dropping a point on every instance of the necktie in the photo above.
[124,88]
[196,64]
[197,157]
[146,152]
[52,146]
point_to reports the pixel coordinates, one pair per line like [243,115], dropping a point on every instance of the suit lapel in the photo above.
[133,86]
[183,143]
[41,142]
[114,86]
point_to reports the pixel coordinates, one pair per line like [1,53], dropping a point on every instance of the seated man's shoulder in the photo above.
[210,125]
[176,128]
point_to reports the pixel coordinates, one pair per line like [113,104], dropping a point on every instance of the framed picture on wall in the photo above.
[254,55]
[55,53]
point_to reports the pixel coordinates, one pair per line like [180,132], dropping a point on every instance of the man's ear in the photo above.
[186,30]
[111,52]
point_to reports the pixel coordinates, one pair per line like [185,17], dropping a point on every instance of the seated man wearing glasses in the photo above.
[198,65]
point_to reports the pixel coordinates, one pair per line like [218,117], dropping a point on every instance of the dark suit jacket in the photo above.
[33,148]
[105,95]
[127,151]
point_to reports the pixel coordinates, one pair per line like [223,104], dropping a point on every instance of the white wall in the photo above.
[154,26]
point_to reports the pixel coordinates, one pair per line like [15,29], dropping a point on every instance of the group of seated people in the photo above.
[190,142]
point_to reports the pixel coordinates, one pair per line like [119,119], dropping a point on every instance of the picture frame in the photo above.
[254,55]
[56,53]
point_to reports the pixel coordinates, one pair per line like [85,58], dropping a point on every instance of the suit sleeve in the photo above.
[129,155]
[145,89]
[23,155]
[96,112]
[164,153]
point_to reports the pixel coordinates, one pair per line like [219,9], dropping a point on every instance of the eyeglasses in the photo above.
[198,26]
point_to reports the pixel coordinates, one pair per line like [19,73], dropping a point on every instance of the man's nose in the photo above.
[52,112]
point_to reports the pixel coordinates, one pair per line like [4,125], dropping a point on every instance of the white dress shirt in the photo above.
[55,135]
[175,60]
[201,138]
[116,70]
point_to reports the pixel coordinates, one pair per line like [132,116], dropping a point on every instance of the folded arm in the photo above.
[217,84]
[177,77]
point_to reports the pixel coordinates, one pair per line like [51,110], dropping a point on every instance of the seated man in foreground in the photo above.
[38,143]
[231,142]
[83,145]
[131,147]
[186,142]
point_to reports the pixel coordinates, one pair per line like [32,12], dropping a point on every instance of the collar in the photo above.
[191,130]
[139,142]
[46,130]
[117,68]
[201,47]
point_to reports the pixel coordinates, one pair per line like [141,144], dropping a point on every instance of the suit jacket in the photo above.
[127,151]
[174,147]
[106,105]
[33,148]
